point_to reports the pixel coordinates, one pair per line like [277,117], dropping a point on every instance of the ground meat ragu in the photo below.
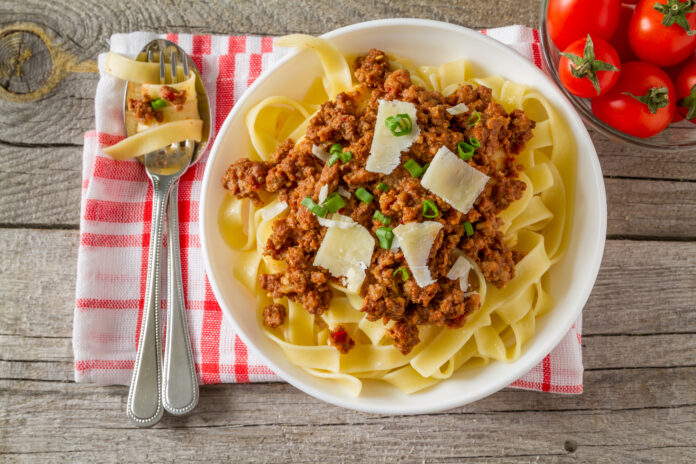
[294,172]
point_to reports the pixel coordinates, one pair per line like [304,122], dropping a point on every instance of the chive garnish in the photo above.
[473,119]
[382,186]
[158,104]
[334,202]
[378,216]
[469,228]
[399,124]
[385,237]
[403,272]
[414,168]
[316,209]
[430,209]
[363,195]
[466,151]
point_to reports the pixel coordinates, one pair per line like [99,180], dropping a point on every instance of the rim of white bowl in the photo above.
[503,381]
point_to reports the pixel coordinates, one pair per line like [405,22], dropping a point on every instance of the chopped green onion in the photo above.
[474,142]
[345,156]
[469,229]
[385,237]
[363,195]
[466,151]
[332,159]
[319,210]
[414,168]
[378,216]
[430,209]
[158,104]
[382,186]
[473,119]
[336,148]
[403,272]
[399,124]
[334,202]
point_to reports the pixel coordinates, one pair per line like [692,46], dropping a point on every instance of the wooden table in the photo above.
[639,334]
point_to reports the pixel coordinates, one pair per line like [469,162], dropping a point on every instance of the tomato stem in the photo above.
[656,98]
[690,103]
[587,66]
[675,13]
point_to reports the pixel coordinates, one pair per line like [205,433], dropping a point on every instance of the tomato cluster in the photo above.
[635,60]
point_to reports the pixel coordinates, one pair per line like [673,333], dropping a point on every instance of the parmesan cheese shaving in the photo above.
[454,180]
[323,193]
[346,251]
[337,220]
[457,109]
[460,270]
[269,213]
[320,153]
[385,152]
[416,239]
[343,192]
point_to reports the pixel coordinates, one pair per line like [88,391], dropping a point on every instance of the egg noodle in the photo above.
[178,124]
[536,225]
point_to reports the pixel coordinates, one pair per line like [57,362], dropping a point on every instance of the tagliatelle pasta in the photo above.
[535,226]
[174,118]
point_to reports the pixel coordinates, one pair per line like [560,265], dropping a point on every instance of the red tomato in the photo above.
[629,2]
[620,38]
[656,43]
[570,20]
[686,90]
[673,72]
[630,115]
[589,67]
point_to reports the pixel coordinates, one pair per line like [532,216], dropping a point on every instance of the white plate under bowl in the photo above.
[425,42]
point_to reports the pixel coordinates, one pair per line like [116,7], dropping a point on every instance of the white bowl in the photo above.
[425,42]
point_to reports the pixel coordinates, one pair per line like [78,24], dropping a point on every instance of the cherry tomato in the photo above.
[620,39]
[686,91]
[629,2]
[673,72]
[589,67]
[570,20]
[642,103]
[658,31]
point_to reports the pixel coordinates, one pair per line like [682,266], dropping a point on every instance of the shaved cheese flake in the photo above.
[346,251]
[269,213]
[460,270]
[385,152]
[343,192]
[323,193]
[338,221]
[416,239]
[320,153]
[458,109]
[454,180]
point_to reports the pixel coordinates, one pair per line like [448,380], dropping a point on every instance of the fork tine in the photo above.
[175,77]
[184,61]
[162,72]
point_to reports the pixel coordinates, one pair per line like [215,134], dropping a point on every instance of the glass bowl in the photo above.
[677,137]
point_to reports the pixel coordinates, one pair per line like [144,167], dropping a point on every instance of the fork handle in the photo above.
[180,385]
[144,406]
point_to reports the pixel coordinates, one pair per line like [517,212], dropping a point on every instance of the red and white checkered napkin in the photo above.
[115,231]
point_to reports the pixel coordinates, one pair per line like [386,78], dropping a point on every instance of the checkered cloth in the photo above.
[115,214]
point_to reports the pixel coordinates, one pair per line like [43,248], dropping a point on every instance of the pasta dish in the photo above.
[398,222]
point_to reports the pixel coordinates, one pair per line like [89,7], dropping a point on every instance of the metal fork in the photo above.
[163,167]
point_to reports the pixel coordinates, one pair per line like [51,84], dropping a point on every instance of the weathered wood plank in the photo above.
[650,208]
[267,425]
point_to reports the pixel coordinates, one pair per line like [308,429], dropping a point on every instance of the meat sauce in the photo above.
[294,173]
